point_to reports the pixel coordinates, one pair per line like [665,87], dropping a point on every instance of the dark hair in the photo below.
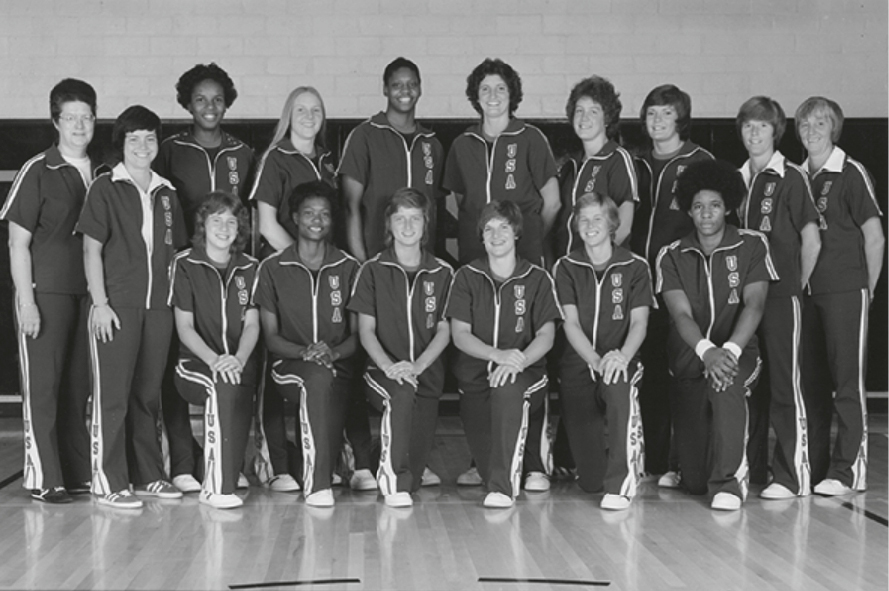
[668,94]
[494,67]
[819,104]
[407,197]
[763,108]
[397,64]
[69,90]
[310,190]
[217,202]
[710,175]
[602,91]
[134,118]
[505,210]
[199,73]
[606,203]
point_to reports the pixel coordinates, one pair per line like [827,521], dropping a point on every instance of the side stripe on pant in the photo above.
[742,476]
[100,484]
[386,478]
[33,475]
[635,442]
[859,466]
[515,467]
[307,437]
[212,432]
[262,462]
[801,454]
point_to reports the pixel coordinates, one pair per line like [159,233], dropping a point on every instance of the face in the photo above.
[814,132]
[75,125]
[660,122]
[314,219]
[493,96]
[407,226]
[758,137]
[403,90]
[308,115]
[708,213]
[221,230]
[499,237]
[207,105]
[140,149]
[589,119]
[593,226]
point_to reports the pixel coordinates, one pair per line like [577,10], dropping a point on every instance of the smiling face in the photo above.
[660,123]
[407,226]
[139,149]
[207,105]
[708,213]
[314,219]
[758,137]
[814,133]
[220,230]
[593,226]
[493,96]
[307,117]
[499,237]
[403,90]
[75,125]
[589,120]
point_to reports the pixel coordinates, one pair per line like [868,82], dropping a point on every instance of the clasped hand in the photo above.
[510,363]
[720,367]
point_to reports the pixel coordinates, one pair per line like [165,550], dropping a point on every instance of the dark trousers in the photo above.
[655,393]
[183,446]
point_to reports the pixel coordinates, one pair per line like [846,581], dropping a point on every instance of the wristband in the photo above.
[732,348]
[702,347]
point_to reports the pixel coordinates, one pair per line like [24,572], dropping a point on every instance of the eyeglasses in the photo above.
[72,119]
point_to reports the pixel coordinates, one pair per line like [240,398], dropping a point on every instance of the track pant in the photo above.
[655,395]
[55,390]
[183,446]
[407,429]
[127,374]
[587,406]
[711,432]
[834,360]
[322,399]
[496,422]
[227,412]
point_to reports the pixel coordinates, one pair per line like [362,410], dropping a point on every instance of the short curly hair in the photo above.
[218,202]
[199,73]
[602,91]
[311,190]
[763,108]
[710,175]
[494,67]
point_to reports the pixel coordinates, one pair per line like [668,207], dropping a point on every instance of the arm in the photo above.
[626,210]
[103,317]
[274,342]
[271,230]
[551,204]
[353,191]
[577,338]
[754,297]
[615,362]
[249,336]
[435,347]
[475,347]
[23,279]
[874,243]
[536,349]
[810,247]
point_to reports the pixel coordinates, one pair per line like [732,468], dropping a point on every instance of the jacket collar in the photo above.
[380,120]
[120,173]
[731,238]
[428,262]
[619,256]
[775,165]
[290,256]
[481,265]
[834,163]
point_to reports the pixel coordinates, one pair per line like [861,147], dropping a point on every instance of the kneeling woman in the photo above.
[218,328]
[605,293]
[399,297]
[715,282]
[503,311]
[302,294]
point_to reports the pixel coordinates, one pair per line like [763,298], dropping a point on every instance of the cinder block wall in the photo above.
[720,51]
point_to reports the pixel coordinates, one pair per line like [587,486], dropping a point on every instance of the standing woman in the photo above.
[198,160]
[399,297]
[841,289]
[46,260]
[503,311]
[218,327]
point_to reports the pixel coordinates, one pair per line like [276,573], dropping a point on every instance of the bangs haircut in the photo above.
[408,198]
[70,90]
[670,95]
[134,118]
[218,202]
[601,91]
[187,82]
[494,67]
[763,108]
[397,64]
[609,208]
[710,175]
[314,189]
[818,105]
[507,211]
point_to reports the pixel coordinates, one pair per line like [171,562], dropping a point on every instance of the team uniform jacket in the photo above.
[407,314]
[505,316]
[714,286]
[610,172]
[379,157]
[517,166]
[659,220]
[188,166]
[779,204]
[844,195]
[604,305]
[281,170]
[112,215]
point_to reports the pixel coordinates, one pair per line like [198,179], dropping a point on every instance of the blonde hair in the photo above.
[282,130]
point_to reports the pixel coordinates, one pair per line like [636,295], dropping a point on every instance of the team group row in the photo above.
[770,268]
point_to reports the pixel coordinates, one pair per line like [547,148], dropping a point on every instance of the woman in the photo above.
[218,328]
[405,374]
[841,289]
[605,293]
[303,293]
[503,312]
[51,305]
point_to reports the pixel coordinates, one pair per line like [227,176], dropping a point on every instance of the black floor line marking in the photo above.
[544,581]
[294,583]
[12,479]
[878,518]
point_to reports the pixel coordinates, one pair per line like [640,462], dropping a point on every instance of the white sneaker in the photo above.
[159,488]
[470,478]
[536,482]
[363,480]
[615,502]
[830,487]
[242,481]
[321,498]
[776,491]
[496,500]
[220,501]
[186,483]
[429,478]
[671,479]
[121,500]
[283,483]
[723,501]
[399,499]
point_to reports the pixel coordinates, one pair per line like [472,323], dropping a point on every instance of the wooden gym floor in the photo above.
[556,540]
